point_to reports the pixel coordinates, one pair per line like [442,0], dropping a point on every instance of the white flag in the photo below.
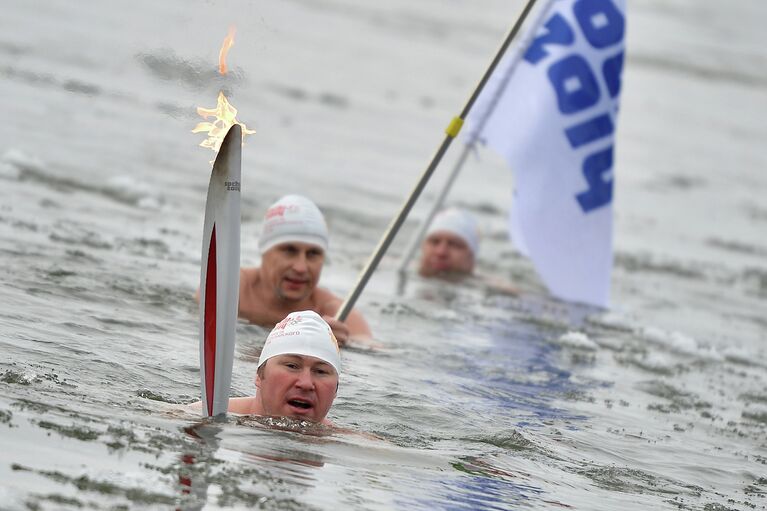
[551,111]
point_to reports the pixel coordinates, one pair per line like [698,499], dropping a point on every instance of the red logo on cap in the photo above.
[279,210]
[287,322]
[276,211]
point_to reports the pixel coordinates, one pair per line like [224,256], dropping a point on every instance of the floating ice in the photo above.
[741,356]
[150,203]
[22,160]
[129,184]
[141,193]
[577,340]
[655,362]
[612,320]
[678,342]
[14,161]
[446,315]
[755,412]
[8,171]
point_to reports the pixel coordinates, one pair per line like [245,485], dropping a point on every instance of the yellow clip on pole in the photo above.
[454,127]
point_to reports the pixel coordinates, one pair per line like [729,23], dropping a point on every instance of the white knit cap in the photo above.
[458,222]
[293,218]
[303,333]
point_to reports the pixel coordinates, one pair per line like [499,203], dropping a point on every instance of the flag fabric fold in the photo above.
[550,110]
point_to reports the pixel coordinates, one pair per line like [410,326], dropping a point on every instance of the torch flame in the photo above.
[227,44]
[224,115]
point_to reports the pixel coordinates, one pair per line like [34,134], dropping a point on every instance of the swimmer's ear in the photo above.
[260,375]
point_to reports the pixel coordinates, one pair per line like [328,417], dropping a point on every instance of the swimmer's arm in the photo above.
[241,405]
[359,330]
[353,330]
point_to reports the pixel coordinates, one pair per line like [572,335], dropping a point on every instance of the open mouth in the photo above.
[299,403]
[295,283]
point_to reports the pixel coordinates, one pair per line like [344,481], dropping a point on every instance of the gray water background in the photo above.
[481,400]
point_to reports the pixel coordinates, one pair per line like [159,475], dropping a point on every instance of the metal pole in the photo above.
[418,236]
[451,132]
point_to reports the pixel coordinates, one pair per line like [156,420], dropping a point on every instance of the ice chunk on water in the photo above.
[678,342]
[446,315]
[22,160]
[141,193]
[741,356]
[577,340]
[655,362]
[14,161]
[129,184]
[8,171]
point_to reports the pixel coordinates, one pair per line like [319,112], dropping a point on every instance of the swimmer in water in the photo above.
[293,245]
[451,245]
[297,373]
[450,249]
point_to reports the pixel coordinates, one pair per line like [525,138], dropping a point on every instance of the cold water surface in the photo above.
[477,399]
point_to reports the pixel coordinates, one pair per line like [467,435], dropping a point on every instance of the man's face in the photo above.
[444,252]
[292,269]
[297,386]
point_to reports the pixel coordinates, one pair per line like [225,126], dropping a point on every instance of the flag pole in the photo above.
[415,240]
[474,137]
[450,133]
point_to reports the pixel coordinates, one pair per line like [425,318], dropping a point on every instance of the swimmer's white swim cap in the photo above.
[458,222]
[303,333]
[293,218]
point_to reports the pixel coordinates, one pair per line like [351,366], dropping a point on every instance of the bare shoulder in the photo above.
[242,405]
[325,302]
[249,274]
